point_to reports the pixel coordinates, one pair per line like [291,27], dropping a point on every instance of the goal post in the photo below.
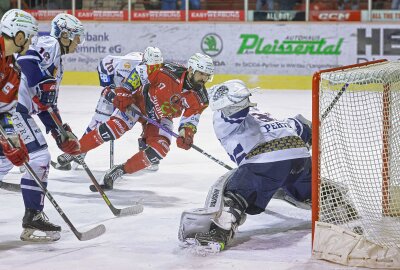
[356,158]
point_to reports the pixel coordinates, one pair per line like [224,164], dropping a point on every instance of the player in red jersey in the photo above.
[173,91]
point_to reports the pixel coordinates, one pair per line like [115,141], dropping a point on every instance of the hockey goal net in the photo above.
[356,164]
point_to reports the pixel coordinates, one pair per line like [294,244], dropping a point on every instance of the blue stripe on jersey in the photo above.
[30,67]
[236,118]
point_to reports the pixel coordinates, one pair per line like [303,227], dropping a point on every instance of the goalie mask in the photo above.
[230,97]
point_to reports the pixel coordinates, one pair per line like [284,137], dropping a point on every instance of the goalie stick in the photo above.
[82,236]
[131,210]
[198,149]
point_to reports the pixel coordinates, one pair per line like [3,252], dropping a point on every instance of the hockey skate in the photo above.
[66,162]
[224,226]
[37,228]
[111,175]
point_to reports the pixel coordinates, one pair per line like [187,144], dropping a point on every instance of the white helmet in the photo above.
[203,63]
[66,23]
[230,97]
[152,56]
[16,20]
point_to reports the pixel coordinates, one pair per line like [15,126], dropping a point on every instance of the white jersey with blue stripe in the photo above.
[42,60]
[249,128]
[113,70]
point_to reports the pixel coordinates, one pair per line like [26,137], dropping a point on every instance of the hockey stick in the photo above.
[131,210]
[334,101]
[111,154]
[198,149]
[83,236]
[10,186]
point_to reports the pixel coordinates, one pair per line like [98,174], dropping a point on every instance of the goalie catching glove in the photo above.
[46,94]
[123,98]
[70,144]
[186,135]
[17,155]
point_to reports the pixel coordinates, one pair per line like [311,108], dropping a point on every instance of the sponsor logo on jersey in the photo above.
[127,65]
[211,44]
[7,88]
[174,99]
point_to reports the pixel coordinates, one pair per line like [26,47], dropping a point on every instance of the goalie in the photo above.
[270,155]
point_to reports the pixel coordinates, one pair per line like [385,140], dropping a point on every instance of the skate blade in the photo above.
[33,235]
[195,248]
[58,166]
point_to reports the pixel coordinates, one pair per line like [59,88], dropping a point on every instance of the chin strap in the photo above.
[64,49]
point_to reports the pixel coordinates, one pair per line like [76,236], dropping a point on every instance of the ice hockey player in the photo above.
[17,30]
[113,72]
[270,155]
[174,91]
[42,72]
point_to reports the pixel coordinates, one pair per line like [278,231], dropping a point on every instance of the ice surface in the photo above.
[279,238]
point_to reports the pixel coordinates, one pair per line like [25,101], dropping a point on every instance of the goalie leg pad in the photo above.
[199,220]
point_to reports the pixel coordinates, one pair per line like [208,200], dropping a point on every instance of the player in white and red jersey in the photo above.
[113,72]
[42,72]
[17,30]
[173,91]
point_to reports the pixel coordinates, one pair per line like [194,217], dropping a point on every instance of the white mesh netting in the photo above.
[360,151]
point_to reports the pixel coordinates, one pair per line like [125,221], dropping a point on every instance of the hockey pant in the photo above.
[39,160]
[258,182]
[157,141]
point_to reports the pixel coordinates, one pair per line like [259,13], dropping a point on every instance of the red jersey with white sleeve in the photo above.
[169,95]
[9,80]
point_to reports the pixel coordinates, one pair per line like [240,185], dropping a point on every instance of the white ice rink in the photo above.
[279,238]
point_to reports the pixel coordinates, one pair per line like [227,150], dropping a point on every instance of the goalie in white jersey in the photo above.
[113,72]
[42,72]
[271,155]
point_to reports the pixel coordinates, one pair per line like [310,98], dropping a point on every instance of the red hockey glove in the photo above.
[108,93]
[185,138]
[46,94]
[123,98]
[69,145]
[17,155]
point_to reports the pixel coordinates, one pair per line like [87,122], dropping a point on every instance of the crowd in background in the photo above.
[259,5]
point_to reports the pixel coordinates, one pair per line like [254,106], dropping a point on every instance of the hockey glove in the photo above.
[185,139]
[46,94]
[69,145]
[123,98]
[17,155]
[108,94]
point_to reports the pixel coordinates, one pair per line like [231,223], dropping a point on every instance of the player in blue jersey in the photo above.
[271,155]
[42,72]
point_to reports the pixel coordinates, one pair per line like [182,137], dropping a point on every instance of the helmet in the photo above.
[203,63]
[16,20]
[66,23]
[230,96]
[152,56]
